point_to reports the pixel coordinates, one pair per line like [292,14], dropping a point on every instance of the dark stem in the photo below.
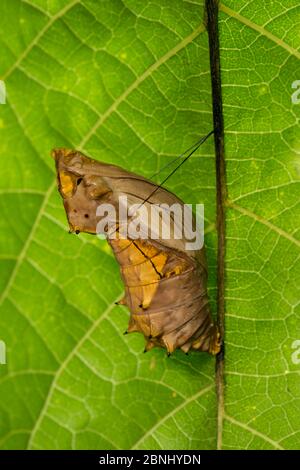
[213,35]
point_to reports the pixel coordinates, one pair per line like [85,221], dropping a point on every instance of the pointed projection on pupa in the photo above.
[165,285]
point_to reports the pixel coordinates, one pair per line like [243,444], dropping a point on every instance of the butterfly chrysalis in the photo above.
[165,284]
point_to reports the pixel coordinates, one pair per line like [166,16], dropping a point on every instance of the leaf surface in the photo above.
[128,83]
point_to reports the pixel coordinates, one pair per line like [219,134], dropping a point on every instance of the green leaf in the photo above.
[260,58]
[128,82]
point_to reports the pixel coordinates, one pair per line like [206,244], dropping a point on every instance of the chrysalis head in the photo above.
[81,186]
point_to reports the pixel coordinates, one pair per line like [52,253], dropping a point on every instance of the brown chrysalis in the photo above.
[165,284]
